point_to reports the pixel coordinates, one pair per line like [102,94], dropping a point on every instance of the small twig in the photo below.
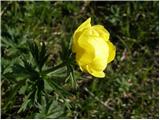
[96,98]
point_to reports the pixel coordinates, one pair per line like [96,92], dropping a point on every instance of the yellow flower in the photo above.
[92,48]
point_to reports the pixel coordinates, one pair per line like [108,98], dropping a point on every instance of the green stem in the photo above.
[53,68]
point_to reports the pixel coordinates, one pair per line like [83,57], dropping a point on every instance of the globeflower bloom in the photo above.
[93,48]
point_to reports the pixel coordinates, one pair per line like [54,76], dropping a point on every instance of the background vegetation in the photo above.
[35,45]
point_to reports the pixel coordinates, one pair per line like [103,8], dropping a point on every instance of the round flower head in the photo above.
[92,48]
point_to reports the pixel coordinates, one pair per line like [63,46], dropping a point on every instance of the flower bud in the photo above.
[93,48]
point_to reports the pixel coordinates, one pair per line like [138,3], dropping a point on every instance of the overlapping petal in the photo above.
[79,31]
[102,32]
[112,52]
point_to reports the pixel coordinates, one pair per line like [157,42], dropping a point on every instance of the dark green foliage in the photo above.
[40,78]
[39,56]
[49,109]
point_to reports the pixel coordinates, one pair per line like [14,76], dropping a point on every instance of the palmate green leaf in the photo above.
[39,90]
[7,43]
[49,109]
[14,40]
[68,59]
[59,71]
[13,50]
[25,88]
[35,84]
[59,90]
[40,55]
[34,50]
[34,97]
[57,87]
[24,105]
[55,70]
[5,66]
[31,99]
[35,93]
[26,71]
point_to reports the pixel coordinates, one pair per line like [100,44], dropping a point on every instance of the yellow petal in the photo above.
[86,51]
[85,24]
[101,54]
[99,74]
[112,52]
[99,63]
[95,52]
[102,32]
[78,32]
[83,68]
[85,57]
